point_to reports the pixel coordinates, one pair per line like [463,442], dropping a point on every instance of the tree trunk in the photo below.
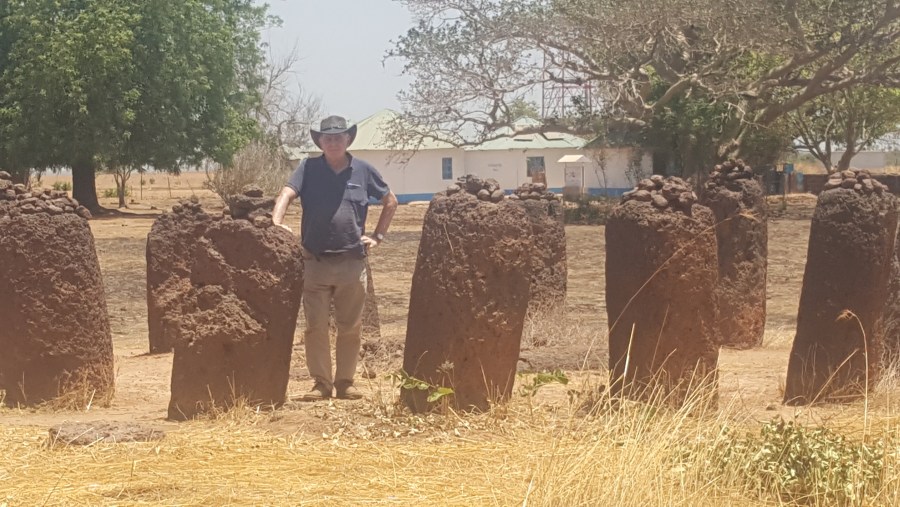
[825,159]
[121,178]
[84,188]
[22,176]
[844,162]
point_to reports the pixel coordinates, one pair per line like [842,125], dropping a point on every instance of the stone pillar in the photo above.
[235,330]
[470,292]
[661,275]
[892,312]
[839,344]
[169,246]
[739,205]
[55,343]
[548,233]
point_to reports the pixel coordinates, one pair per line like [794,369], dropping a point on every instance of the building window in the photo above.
[534,165]
[447,168]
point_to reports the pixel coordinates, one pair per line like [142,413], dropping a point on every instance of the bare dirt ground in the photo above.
[574,342]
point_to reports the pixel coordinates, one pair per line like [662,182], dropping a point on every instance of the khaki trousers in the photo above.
[341,279]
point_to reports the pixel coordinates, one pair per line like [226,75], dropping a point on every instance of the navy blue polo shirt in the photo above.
[335,204]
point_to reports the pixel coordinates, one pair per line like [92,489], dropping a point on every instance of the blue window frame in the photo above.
[447,168]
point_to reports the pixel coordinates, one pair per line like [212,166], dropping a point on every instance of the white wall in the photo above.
[421,174]
[616,162]
[510,167]
[863,160]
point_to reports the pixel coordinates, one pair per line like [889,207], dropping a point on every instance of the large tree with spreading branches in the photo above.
[90,84]
[752,61]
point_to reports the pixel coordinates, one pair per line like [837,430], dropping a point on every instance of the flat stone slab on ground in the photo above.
[83,433]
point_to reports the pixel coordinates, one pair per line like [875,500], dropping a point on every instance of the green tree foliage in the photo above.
[521,108]
[110,83]
[686,134]
[737,67]
[850,120]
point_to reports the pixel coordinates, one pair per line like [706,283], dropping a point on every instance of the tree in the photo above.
[116,83]
[284,116]
[757,60]
[284,113]
[851,119]
[521,108]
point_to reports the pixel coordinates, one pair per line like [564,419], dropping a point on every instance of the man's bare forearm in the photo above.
[281,205]
[389,207]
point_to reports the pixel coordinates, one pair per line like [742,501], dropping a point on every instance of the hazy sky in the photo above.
[342,44]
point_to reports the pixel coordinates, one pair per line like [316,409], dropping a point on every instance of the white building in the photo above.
[512,161]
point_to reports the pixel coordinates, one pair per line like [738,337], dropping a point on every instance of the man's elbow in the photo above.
[287,193]
[390,201]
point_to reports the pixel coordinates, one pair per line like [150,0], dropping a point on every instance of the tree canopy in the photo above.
[751,61]
[91,83]
[849,120]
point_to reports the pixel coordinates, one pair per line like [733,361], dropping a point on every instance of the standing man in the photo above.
[334,191]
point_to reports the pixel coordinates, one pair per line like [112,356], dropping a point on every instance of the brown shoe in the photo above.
[318,392]
[344,390]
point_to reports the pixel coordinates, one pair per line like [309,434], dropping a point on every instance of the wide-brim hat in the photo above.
[332,125]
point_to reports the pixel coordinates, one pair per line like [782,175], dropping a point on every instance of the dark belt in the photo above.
[327,255]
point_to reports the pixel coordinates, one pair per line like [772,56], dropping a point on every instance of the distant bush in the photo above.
[111,193]
[63,186]
[257,164]
[589,210]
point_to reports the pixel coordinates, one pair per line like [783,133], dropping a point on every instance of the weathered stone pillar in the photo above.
[891,356]
[661,272]
[235,330]
[55,343]
[839,344]
[169,245]
[739,205]
[470,292]
[549,272]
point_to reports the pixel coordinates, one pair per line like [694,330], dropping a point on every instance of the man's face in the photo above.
[335,144]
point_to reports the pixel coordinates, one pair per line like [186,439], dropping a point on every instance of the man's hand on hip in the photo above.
[369,242]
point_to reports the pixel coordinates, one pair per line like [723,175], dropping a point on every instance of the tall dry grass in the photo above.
[550,449]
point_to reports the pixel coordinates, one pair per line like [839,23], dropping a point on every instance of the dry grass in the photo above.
[537,451]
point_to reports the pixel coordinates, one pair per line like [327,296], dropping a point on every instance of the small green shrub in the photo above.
[111,193]
[435,393]
[544,378]
[62,185]
[808,466]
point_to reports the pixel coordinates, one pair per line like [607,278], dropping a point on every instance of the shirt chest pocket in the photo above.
[356,194]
